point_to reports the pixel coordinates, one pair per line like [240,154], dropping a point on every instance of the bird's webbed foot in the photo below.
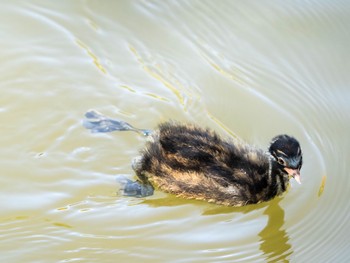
[134,188]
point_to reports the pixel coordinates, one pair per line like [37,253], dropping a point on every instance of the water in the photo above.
[244,68]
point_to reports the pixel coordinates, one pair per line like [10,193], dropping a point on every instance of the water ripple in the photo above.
[286,63]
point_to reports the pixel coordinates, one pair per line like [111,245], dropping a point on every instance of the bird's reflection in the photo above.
[274,242]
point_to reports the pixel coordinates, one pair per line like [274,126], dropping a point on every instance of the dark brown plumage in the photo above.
[191,162]
[196,163]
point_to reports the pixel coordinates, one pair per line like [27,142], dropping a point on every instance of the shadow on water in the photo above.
[274,240]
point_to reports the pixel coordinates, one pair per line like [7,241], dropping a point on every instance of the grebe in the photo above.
[195,163]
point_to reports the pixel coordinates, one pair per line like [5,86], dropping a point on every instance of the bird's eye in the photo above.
[281,161]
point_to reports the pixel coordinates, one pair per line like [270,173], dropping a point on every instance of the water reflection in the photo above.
[274,239]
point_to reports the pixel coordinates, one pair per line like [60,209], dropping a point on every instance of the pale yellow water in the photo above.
[250,69]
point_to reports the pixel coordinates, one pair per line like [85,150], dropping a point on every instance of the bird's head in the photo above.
[288,155]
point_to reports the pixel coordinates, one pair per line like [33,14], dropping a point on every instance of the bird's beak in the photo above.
[295,173]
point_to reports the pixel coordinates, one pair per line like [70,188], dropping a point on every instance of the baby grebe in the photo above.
[196,163]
